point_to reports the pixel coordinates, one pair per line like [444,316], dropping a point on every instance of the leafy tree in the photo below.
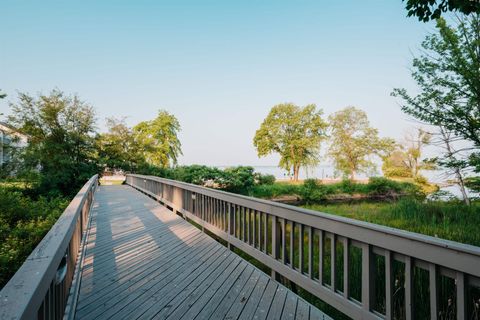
[448,76]
[406,161]
[60,144]
[295,133]
[353,142]
[426,10]
[117,148]
[158,139]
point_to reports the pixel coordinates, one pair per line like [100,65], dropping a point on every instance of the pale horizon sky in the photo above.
[218,66]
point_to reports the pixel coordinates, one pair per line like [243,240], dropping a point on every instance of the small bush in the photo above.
[312,191]
[267,179]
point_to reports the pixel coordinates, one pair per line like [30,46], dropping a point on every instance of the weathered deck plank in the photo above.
[144,262]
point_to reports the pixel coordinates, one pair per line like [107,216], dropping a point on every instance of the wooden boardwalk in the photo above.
[144,262]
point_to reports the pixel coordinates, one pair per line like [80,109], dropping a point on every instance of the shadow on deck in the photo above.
[144,262]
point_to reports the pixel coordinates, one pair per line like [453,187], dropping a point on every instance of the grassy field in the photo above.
[448,220]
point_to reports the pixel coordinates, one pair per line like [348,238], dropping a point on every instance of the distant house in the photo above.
[10,138]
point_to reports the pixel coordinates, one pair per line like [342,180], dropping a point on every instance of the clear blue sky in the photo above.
[219,66]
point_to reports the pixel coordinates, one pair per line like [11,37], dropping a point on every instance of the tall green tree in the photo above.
[354,142]
[60,144]
[158,139]
[448,76]
[293,132]
[117,148]
[426,10]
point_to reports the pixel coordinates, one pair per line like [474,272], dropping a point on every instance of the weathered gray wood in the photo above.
[191,292]
[237,280]
[210,299]
[290,306]
[303,310]
[164,267]
[254,300]
[278,303]
[225,304]
[266,301]
[241,300]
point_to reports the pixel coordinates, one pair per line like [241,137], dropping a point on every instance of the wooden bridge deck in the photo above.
[143,262]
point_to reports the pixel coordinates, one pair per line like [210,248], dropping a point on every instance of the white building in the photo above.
[10,138]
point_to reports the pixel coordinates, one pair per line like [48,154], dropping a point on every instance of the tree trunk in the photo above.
[461,185]
[296,169]
[458,172]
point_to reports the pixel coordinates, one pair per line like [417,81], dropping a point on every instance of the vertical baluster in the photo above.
[284,247]
[310,252]
[388,284]
[346,267]
[292,244]
[461,296]
[225,216]
[333,260]
[244,223]
[408,287]
[320,256]
[202,207]
[367,277]
[275,242]
[300,246]
[254,228]
[248,216]
[265,232]
[433,281]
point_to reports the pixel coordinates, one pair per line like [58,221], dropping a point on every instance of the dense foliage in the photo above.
[293,132]
[239,179]
[60,144]
[23,223]
[313,191]
[353,142]
[426,10]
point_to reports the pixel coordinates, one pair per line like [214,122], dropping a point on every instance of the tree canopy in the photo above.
[158,139]
[353,142]
[448,76]
[60,140]
[117,147]
[426,10]
[293,132]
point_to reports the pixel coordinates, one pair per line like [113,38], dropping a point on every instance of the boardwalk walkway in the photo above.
[144,262]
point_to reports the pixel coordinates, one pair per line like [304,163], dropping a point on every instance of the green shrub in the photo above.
[267,179]
[23,223]
[312,191]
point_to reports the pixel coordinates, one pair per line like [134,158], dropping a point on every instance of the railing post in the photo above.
[275,243]
[230,226]
[460,283]
[367,277]
[408,288]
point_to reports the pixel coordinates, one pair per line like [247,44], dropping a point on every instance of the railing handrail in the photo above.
[231,197]
[260,228]
[24,294]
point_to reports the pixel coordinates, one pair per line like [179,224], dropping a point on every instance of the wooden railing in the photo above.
[364,270]
[40,288]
